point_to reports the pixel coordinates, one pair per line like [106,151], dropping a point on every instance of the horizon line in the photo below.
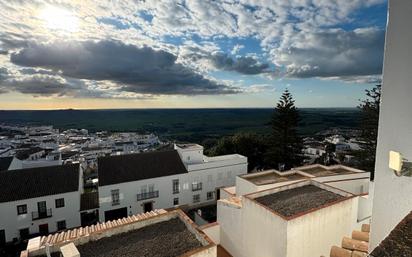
[165,108]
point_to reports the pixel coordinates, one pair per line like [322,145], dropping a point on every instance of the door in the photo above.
[41,208]
[44,229]
[217,194]
[115,214]
[2,237]
[147,207]
[24,233]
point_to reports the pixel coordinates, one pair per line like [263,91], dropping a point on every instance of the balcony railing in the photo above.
[196,186]
[35,215]
[147,195]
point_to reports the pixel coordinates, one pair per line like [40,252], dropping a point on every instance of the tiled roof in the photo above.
[357,246]
[132,167]
[36,182]
[70,235]
[399,241]
[155,233]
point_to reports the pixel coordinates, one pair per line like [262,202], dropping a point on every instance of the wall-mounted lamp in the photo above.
[399,165]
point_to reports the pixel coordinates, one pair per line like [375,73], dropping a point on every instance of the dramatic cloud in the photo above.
[135,49]
[44,83]
[247,65]
[244,65]
[139,70]
[335,53]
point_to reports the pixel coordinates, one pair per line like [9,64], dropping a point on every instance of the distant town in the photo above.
[99,177]
[37,146]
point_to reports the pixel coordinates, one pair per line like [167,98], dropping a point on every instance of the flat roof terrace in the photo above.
[271,177]
[298,200]
[320,171]
[156,234]
[166,238]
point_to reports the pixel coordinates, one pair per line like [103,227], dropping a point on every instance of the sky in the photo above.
[188,54]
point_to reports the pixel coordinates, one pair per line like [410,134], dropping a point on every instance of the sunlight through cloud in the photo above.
[59,19]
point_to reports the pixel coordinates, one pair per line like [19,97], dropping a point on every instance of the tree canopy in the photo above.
[369,129]
[285,147]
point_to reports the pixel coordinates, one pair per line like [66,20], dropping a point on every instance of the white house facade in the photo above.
[393,194]
[135,183]
[38,201]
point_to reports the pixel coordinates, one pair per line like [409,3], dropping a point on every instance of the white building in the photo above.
[135,183]
[35,157]
[393,194]
[39,201]
[345,178]
[301,219]
[246,228]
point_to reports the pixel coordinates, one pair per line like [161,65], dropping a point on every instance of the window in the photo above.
[21,209]
[176,186]
[59,202]
[176,201]
[209,179]
[151,188]
[61,225]
[24,233]
[196,198]
[115,197]
[196,186]
[209,195]
[186,186]
[143,189]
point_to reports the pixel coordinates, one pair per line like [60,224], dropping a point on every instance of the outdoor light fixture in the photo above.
[399,165]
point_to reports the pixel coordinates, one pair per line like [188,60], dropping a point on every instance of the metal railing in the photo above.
[147,195]
[35,215]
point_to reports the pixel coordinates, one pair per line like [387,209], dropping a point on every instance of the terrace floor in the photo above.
[319,171]
[168,238]
[271,178]
[298,200]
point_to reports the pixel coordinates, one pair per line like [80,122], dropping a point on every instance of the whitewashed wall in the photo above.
[354,186]
[210,178]
[393,195]
[11,222]
[265,234]
[230,220]
[212,231]
[314,233]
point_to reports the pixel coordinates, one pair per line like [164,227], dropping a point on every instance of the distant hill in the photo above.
[183,124]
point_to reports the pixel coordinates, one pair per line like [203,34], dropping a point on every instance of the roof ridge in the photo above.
[69,235]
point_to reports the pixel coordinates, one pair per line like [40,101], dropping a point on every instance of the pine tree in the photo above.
[369,129]
[285,147]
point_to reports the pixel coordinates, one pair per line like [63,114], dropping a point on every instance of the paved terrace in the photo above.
[271,178]
[319,171]
[298,200]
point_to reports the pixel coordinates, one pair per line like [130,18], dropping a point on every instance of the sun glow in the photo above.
[59,19]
